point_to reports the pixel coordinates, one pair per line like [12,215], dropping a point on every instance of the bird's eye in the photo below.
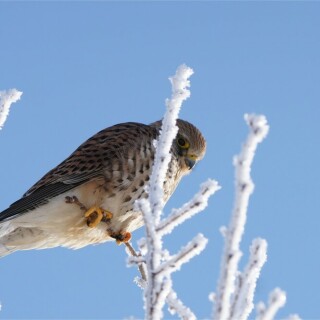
[183,143]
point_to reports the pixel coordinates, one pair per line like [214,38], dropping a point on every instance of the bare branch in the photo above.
[140,261]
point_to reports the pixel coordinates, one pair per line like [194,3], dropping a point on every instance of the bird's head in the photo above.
[188,147]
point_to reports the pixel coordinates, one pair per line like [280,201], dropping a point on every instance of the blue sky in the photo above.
[85,66]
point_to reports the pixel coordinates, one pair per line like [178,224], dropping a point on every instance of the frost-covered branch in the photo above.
[277,300]
[243,300]
[235,290]
[293,317]
[193,248]
[159,263]
[180,83]
[197,204]
[6,99]
[138,260]
[233,235]
[175,306]
[158,286]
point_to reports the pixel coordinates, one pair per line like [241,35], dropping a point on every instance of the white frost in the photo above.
[235,291]
[169,130]
[176,306]
[6,99]
[159,262]
[193,248]
[277,300]
[197,204]
[233,234]
[243,300]
[159,283]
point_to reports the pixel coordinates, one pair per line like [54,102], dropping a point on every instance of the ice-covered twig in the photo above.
[244,187]
[169,130]
[193,248]
[277,300]
[139,260]
[159,263]
[175,305]
[6,99]
[159,285]
[197,204]
[243,300]
[293,317]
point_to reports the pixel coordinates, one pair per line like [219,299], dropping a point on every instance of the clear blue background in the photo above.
[85,66]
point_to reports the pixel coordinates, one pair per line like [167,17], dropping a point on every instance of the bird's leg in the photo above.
[120,237]
[76,201]
[94,214]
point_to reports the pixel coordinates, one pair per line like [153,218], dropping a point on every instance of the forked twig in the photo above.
[141,266]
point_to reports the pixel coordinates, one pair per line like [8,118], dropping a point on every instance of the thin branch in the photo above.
[244,188]
[159,286]
[277,300]
[141,265]
[169,130]
[243,300]
[6,99]
[293,317]
[197,204]
[175,305]
[193,248]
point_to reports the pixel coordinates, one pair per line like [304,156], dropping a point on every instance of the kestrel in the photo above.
[89,197]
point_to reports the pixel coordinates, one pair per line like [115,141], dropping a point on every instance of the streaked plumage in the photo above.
[110,170]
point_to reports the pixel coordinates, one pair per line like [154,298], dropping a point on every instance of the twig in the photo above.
[244,294]
[194,247]
[159,285]
[277,300]
[197,204]
[175,305]
[141,266]
[6,99]
[233,235]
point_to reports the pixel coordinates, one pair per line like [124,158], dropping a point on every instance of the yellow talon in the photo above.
[107,215]
[121,237]
[95,215]
[126,236]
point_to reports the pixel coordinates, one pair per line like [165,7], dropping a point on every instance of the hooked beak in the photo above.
[190,161]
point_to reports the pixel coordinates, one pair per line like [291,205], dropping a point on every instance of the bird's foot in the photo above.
[120,237]
[95,215]
[76,201]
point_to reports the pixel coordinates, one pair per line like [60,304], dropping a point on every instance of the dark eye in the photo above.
[183,143]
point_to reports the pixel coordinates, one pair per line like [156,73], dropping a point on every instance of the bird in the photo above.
[89,197]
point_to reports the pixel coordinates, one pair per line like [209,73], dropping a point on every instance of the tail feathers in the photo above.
[20,239]
[5,229]
[4,250]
